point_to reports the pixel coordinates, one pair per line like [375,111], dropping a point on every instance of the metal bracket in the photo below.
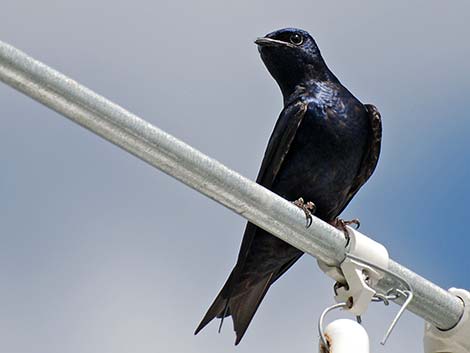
[365,264]
[359,276]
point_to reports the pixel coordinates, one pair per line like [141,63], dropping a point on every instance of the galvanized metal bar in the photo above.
[163,151]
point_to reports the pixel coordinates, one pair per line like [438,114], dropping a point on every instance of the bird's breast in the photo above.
[324,157]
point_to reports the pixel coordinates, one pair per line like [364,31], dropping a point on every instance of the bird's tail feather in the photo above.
[220,307]
[217,309]
[242,306]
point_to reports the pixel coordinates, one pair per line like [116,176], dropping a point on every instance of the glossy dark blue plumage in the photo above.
[324,147]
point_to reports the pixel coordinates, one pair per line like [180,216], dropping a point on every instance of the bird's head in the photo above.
[292,57]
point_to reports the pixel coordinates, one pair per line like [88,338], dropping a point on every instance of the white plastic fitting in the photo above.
[359,276]
[455,340]
[346,336]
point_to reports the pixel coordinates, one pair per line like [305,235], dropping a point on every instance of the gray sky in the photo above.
[102,253]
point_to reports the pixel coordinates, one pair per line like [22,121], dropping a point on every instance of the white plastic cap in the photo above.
[347,336]
[455,340]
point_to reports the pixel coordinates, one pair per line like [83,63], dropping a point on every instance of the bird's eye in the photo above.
[296,39]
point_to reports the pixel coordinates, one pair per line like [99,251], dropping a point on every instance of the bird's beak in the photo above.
[269,42]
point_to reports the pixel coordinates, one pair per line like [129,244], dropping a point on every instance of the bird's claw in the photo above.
[354,221]
[308,207]
[341,224]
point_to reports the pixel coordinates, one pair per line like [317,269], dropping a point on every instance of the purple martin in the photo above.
[324,147]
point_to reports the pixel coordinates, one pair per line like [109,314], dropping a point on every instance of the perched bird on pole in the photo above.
[324,147]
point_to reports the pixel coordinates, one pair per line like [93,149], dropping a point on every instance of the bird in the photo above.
[325,145]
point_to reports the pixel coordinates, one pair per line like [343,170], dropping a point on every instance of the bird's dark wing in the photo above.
[280,141]
[278,146]
[372,152]
[239,297]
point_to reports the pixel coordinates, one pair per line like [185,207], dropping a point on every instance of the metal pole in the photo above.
[250,200]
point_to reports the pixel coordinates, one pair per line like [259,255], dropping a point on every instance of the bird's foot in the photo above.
[341,224]
[308,207]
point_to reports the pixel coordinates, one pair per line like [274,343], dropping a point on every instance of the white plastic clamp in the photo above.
[455,340]
[359,276]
